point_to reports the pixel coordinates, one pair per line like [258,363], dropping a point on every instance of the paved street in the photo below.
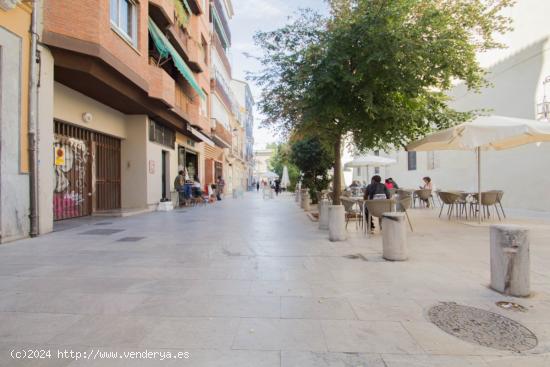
[254,283]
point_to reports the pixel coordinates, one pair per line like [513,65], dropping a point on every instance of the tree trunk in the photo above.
[337,177]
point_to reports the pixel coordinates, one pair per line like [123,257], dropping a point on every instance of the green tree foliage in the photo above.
[314,160]
[375,70]
[280,159]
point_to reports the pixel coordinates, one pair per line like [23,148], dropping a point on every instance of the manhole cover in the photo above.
[102,232]
[131,239]
[482,327]
[511,306]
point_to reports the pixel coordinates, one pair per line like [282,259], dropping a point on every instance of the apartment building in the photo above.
[124,103]
[245,102]
[15,21]
[222,103]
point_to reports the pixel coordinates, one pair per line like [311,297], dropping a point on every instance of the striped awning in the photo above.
[166,49]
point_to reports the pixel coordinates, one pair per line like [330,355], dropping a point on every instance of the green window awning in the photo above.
[166,49]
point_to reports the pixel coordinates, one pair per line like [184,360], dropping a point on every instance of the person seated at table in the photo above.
[197,192]
[375,191]
[395,185]
[427,186]
[389,184]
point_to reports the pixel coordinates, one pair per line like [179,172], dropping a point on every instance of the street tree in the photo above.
[375,70]
[314,160]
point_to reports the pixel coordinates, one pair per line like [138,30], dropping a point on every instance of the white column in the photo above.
[510,261]
[336,223]
[323,213]
[394,236]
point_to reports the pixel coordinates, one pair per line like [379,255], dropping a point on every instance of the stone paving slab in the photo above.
[253,282]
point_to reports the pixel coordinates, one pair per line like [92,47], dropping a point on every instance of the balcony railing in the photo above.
[225,24]
[186,106]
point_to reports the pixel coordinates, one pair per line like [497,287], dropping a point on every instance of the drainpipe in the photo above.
[33,122]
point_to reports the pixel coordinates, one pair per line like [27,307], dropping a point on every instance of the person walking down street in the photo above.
[220,186]
[179,185]
[376,190]
[277,187]
[258,186]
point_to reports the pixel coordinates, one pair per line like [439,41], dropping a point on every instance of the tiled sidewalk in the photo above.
[251,282]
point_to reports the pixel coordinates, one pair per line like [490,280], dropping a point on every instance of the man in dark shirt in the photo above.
[375,188]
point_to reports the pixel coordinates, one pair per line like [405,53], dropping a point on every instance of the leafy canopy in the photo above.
[377,69]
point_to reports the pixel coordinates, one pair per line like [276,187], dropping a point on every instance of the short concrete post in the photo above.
[235,194]
[297,196]
[394,236]
[306,201]
[510,260]
[336,223]
[323,213]
[302,193]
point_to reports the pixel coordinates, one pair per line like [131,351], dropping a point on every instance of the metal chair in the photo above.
[488,199]
[499,200]
[352,212]
[403,205]
[377,208]
[451,199]
[425,195]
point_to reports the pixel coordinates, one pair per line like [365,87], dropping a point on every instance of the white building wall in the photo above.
[523,173]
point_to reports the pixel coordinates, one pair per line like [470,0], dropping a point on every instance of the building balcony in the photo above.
[221,52]
[161,85]
[162,12]
[185,106]
[187,46]
[218,8]
[220,134]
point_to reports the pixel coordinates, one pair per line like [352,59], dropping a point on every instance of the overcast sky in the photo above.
[250,17]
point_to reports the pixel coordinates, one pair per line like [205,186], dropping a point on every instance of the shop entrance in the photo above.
[189,160]
[86,171]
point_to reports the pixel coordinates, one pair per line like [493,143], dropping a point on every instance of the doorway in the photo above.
[165,173]
[86,170]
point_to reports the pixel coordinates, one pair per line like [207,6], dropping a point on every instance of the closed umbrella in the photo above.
[285,180]
[483,133]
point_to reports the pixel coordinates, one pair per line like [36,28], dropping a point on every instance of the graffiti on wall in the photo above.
[70,186]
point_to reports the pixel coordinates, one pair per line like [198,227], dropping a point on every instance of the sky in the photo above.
[250,17]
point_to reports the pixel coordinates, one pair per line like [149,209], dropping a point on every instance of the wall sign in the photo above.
[152,167]
[59,156]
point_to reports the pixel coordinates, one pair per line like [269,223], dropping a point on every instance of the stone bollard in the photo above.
[510,261]
[323,213]
[394,237]
[302,194]
[336,223]
[306,201]
[235,194]
[297,197]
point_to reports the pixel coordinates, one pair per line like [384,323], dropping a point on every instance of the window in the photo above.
[432,161]
[204,50]
[204,105]
[411,161]
[124,19]
[376,170]
[358,171]
[162,135]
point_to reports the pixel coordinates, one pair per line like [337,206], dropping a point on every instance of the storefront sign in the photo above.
[59,156]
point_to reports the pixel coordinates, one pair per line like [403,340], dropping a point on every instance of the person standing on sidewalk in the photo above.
[220,186]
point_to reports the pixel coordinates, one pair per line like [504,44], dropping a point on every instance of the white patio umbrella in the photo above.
[483,133]
[370,161]
[270,175]
[285,180]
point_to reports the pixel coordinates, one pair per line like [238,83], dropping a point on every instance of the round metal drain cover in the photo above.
[482,327]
